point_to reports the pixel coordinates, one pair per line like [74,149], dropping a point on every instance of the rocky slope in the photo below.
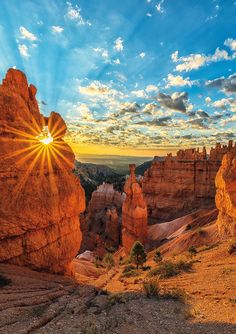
[101,225]
[226,195]
[183,183]
[134,213]
[40,198]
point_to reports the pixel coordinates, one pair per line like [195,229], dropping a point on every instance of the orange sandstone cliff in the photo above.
[226,195]
[180,184]
[134,213]
[40,198]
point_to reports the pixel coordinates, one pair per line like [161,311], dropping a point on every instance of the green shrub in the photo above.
[128,268]
[192,251]
[151,288]
[175,294]
[157,257]
[138,254]
[169,269]
[4,281]
[145,268]
[108,260]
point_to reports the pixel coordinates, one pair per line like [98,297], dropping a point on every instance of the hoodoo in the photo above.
[226,194]
[134,213]
[40,198]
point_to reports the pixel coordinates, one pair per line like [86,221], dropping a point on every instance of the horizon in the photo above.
[163,80]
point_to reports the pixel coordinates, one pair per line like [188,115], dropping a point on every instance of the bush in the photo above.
[169,269]
[157,257]
[4,281]
[151,288]
[108,260]
[145,268]
[129,271]
[192,251]
[175,294]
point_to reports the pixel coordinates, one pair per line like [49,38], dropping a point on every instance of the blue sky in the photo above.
[136,77]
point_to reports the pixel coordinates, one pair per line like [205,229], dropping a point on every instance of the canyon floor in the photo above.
[100,301]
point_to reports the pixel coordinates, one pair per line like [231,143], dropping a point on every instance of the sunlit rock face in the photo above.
[226,195]
[40,198]
[180,184]
[102,225]
[134,213]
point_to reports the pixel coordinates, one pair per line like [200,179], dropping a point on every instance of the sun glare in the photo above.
[45,136]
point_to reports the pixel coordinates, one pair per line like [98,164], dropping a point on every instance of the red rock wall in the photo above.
[40,198]
[134,213]
[226,195]
[181,184]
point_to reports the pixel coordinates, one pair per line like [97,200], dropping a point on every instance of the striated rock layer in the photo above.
[40,198]
[180,184]
[134,213]
[101,226]
[226,195]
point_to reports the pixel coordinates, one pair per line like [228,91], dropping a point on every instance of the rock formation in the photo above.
[101,226]
[40,198]
[226,194]
[180,184]
[134,213]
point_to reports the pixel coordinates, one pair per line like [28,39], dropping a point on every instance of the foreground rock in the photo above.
[183,183]
[134,213]
[40,197]
[226,195]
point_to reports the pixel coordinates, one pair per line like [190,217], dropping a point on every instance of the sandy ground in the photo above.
[44,303]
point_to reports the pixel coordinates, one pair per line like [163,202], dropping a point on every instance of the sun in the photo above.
[45,136]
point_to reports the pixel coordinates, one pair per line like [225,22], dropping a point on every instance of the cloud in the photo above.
[26,34]
[159,7]
[202,114]
[177,101]
[74,14]
[23,49]
[195,61]
[139,93]
[95,88]
[151,88]
[228,85]
[103,52]
[57,29]
[142,54]
[198,123]
[231,43]
[207,99]
[225,103]
[178,80]
[118,44]
[162,121]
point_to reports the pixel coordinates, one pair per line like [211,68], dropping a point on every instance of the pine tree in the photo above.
[157,256]
[138,254]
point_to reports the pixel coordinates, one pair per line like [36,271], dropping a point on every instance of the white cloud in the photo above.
[139,93]
[26,34]
[159,7]
[207,99]
[142,54]
[57,29]
[23,49]
[231,43]
[116,61]
[149,14]
[178,80]
[74,14]
[119,44]
[195,61]
[151,88]
[225,103]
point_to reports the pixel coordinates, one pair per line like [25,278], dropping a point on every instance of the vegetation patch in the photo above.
[169,269]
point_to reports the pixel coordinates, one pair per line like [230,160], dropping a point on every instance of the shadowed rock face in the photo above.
[226,195]
[134,213]
[40,198]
